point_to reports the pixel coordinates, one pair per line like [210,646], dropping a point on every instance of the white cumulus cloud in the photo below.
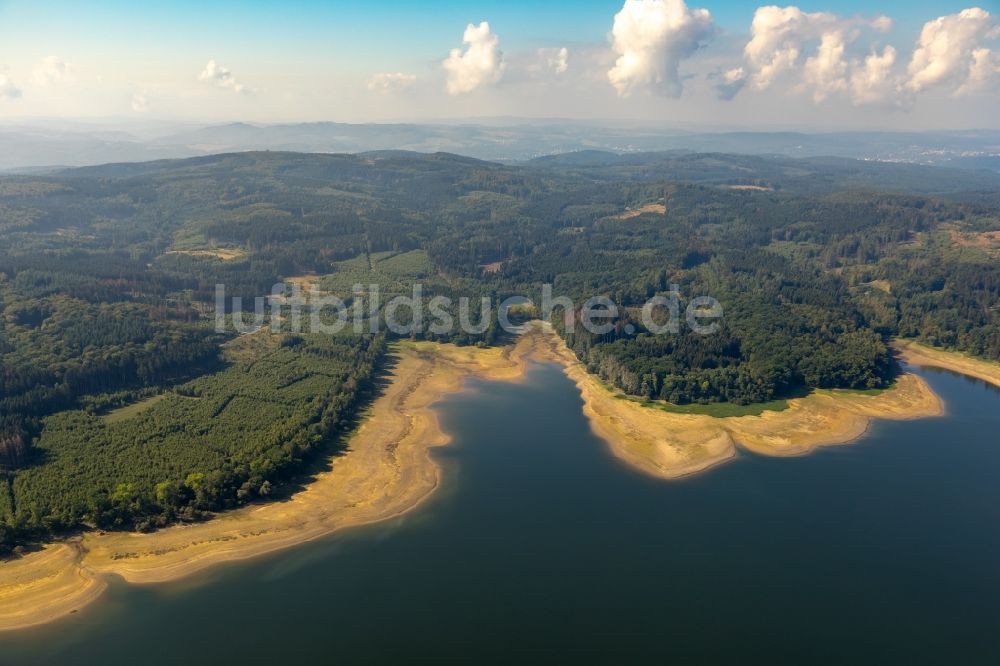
[985,66]
[730,82]
[7,88]
[949,52]
[218,75]
[826,72]
[777,36]
[818,53]
[873,80]
[882,24]
[51,71]
[480,64]
[555,60]
[386,82]
[140,103]
[651,38]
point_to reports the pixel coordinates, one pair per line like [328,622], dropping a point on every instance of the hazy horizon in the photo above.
[123,122]
[718,63]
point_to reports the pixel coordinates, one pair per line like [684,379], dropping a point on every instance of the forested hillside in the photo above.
[108,275]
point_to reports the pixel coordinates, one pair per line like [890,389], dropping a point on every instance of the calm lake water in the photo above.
[541,547]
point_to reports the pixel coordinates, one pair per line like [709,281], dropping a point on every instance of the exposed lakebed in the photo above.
[540,544]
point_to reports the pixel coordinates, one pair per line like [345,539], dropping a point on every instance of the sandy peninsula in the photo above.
[673,445]
[387,469]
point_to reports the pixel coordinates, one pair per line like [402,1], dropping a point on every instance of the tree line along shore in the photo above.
[124,408]
[386,468]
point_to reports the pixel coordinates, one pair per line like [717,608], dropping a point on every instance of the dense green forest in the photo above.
[108,275]
[206,445]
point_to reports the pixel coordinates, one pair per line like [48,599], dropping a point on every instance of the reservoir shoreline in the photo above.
[388,470]
[921,355]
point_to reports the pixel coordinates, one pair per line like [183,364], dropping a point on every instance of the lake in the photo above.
[540,546]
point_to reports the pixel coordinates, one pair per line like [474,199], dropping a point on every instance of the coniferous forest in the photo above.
[121,406]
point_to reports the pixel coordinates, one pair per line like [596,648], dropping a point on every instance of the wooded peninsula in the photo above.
[123,409]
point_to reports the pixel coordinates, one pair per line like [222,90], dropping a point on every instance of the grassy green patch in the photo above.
[872,391]
[128,411]
[714,409]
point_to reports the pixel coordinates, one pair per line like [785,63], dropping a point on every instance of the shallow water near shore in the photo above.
[540,545]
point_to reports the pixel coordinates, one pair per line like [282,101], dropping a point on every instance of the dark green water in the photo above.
[541,547]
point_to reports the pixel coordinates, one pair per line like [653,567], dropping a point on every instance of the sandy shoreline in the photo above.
[387,470]
[672,445]
[923,356]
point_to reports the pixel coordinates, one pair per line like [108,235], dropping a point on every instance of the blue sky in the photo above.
[415,28]
[318,60]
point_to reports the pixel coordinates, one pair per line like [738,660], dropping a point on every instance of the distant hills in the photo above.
[28,147]
[800,176]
